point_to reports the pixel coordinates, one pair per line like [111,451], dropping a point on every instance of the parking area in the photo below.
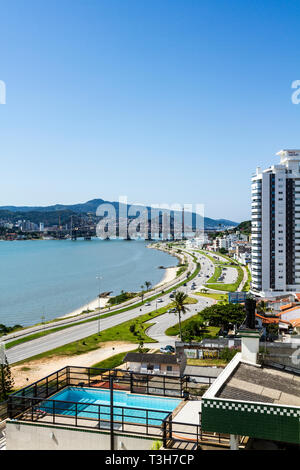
[229,275]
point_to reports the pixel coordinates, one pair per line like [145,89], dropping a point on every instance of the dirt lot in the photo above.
[30,372]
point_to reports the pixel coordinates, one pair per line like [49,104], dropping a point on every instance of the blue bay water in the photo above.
[55,277]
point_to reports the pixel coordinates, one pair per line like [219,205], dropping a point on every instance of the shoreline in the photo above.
[168,276]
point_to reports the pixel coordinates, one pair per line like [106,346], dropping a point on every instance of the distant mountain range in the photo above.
[50,214]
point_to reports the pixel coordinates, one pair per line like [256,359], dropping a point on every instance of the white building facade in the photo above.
[275,241]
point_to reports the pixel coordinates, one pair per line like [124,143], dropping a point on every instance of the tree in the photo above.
[224,315]
[193,329]
[180,299]
[6,379]
[148,284]
[142,293]
[262,307]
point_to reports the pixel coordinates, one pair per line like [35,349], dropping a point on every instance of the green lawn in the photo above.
[206,362]
[216,275]
[210,331]
[215,261]
[115,361]
[119,332]
[213,295]
[229,287]
[246,287]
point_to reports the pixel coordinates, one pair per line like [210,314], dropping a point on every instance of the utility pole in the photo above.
[99,279]
[2,361]
[112,437]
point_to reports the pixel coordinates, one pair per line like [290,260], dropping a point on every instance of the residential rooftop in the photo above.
[152,358]
[262,384]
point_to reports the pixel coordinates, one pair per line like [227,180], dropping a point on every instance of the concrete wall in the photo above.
[33,436]
[138,367]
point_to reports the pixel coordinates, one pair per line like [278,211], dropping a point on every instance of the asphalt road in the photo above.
[78,332]
[163,322]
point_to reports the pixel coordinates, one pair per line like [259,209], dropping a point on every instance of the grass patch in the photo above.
[15,342]
[230,287]
[206,362]
[213,260]
[208,332]
[246,287]
[132,331]
[217,273]
[213,295]
[115,361]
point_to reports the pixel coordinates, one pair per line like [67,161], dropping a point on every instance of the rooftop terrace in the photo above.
[263,384]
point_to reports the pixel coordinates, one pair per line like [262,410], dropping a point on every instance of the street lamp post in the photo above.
[99,279]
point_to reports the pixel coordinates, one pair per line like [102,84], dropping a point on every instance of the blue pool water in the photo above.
[134,408]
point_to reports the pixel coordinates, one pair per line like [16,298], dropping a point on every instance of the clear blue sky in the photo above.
[163,101]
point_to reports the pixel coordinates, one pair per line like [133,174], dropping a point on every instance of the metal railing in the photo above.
[3,410]
[135,382]
[88,415]
[175,433]
[187,386]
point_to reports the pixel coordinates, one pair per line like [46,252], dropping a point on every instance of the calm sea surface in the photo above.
[55,277]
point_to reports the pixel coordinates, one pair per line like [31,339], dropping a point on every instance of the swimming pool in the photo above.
[95,404]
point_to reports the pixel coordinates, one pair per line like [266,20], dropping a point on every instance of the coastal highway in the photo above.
[78,332]
[163,322]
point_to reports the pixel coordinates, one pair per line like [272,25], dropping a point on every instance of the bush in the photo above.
[228,353]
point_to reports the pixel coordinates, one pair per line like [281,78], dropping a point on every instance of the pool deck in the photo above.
[189,413]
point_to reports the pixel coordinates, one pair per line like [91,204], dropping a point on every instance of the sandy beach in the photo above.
[92,305]
[169,275]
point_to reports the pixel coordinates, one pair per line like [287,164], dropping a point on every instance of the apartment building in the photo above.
[275,193]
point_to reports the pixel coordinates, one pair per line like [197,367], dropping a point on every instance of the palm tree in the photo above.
[148,284]
[142,293]
[262,307]
[180,299]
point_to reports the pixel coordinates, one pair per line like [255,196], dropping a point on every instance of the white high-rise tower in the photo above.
[276,226]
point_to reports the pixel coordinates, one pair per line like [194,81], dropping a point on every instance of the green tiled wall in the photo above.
[262,421]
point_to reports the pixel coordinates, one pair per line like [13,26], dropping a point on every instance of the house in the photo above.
[162,364]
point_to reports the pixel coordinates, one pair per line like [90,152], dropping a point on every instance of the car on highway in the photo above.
[159,300]
[148,304]
[171,296]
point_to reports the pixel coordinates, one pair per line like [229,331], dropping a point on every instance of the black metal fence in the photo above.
[176,434]
[37,402]
[88,415]
[163,385]
[3,410]
[150,384]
